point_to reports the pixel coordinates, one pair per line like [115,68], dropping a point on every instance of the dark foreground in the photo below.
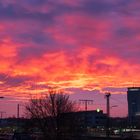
[9,137]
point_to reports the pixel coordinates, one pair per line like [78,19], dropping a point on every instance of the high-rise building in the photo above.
[133,98]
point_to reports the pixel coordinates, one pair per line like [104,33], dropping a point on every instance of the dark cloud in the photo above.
[18,12]
[15,80]
[30,52]
[115,89]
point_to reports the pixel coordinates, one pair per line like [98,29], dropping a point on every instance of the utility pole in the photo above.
[18,111]
[1,97]
[1,114]
[86,102]
[107,95]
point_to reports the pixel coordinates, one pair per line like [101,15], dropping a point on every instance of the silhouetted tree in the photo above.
[48,112]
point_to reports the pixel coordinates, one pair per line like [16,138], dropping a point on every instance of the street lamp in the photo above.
[107,95]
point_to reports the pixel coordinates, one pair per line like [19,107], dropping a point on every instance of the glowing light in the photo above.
[98,110]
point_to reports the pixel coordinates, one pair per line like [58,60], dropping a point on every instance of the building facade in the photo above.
[93,118]
[133,98]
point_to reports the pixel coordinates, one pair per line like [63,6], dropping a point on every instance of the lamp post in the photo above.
[107,95]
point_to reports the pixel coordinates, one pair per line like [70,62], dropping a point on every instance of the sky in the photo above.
[83,47]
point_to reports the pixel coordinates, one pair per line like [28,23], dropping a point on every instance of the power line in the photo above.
[117,100]
[86,102]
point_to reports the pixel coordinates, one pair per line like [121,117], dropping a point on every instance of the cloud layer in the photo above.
[84,44]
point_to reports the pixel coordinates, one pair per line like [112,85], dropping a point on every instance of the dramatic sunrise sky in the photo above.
[85,47]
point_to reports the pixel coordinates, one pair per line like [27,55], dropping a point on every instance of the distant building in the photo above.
[133,98]
[92,119]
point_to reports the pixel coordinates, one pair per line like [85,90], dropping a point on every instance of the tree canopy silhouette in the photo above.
[47,112]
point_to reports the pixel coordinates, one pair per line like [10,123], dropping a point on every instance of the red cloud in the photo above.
[68,44]
[82,58]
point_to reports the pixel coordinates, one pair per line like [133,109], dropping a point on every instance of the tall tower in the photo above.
[133,98]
